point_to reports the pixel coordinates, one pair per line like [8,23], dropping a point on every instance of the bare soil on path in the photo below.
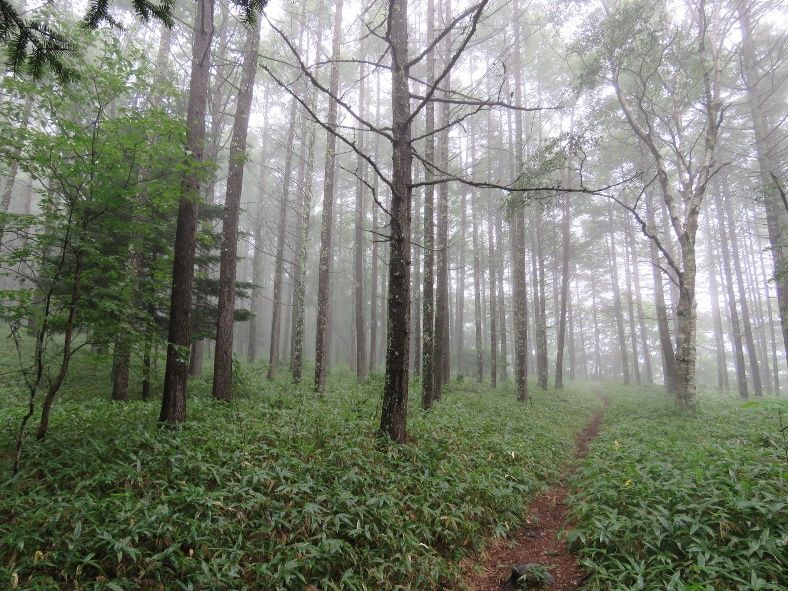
[538,540]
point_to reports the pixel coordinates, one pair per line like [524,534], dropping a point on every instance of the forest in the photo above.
[394,294]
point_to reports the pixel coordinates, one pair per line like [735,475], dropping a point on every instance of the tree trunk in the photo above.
[571,336]
[460,317]
[580,328]
[540,314]
[617,310]
[121,359]
[770,321]
[595,308]
[395,389]
[565,252]
[173,405]
[13,166]
[768,163]
[759,328]
[359,246]
[299,312]
[257,280]
[500,267]
[415,309]
[733,314]
[428,295]
[629,262]
[719,338]
[223,355]
[324,264]
[217,107]
[441,344]
[146,367]
[639,305]
[686,354]
[517,230]
[663,326]
[477,302]
[493,302]
[749,341]
[276,304]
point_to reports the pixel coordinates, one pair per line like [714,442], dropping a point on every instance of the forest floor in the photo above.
[283,491]
[539,541]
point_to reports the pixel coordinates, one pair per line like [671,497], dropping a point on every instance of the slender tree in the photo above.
[324,264]
[173,405]
[565,257]
[223,356]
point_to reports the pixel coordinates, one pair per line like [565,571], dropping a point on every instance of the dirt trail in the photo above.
[537,541]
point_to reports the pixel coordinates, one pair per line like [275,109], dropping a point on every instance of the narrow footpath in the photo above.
[538,541]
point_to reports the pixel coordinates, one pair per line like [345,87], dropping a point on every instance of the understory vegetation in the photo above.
[674,501]
[278,489]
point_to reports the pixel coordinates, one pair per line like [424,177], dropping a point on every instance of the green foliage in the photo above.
[98,12]
[697,501]
[277,490]
[108,171]
[31,45]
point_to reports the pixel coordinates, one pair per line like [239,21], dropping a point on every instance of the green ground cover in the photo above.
[276,490]
[685,501]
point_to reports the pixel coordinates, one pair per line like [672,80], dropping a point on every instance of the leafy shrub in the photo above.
[669,500]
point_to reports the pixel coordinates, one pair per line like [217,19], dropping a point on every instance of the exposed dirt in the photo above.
[538,540]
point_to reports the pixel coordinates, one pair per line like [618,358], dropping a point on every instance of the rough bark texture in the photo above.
[297,362]
[121,358]
[225,323]
[218,105]
[326,230]
[395,390]
[173,404]
[428,295]
[441,343]
[517,231]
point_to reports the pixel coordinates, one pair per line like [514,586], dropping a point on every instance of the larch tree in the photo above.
[329,171]
[648,69]
[173,404]
[225,321]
